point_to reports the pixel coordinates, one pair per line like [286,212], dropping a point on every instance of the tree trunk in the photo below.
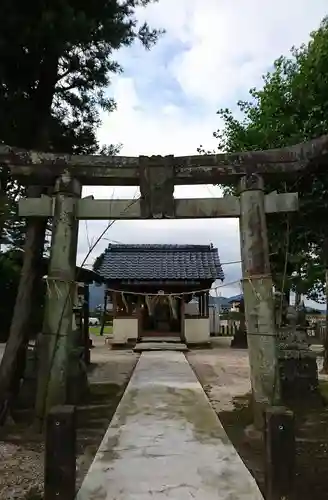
[85,323]
[298,297]
[239,340]
[4,177]
[287,295]
[325,354]
[13,361]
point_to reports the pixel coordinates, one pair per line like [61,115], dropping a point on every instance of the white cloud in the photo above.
[212,52]
[232,42]
[165,131]
[167,99]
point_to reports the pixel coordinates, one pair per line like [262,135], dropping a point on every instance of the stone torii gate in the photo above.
[157,176]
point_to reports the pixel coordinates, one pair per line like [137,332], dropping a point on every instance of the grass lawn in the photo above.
[95,330]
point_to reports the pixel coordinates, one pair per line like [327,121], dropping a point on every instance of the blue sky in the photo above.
[213,51]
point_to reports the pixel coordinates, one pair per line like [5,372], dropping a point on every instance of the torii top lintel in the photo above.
[32,167]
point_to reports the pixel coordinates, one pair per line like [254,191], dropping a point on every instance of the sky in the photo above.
[212,53]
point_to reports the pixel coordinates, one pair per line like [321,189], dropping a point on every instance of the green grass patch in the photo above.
[95,330]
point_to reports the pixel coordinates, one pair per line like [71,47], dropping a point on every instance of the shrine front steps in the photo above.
[160,346]
[158,338]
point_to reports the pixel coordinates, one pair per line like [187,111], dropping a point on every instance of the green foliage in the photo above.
[10,271]
[11,226]
[291,107]
[9,279]
[58,56]
[56,61]
[98,262]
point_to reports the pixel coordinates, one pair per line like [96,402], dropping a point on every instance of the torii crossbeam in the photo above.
[32,167]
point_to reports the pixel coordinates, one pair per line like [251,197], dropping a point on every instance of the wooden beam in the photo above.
[32,167]
[196,208]
[60,454]
[280,453]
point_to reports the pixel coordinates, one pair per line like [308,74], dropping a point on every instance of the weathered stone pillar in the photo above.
[258,297]
[56,340]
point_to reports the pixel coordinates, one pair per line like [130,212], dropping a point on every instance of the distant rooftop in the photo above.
[161,262]
[236,298]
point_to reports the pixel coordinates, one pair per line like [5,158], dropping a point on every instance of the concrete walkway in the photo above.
[166,442]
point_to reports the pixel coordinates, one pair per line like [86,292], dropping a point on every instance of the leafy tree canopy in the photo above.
[98,262]
[56,62]
[60,54]
[291,107]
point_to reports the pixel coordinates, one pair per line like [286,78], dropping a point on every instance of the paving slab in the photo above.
[166,442]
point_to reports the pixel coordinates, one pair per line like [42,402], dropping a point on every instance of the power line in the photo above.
[180,294]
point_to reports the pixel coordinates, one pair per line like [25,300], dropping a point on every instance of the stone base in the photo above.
[298,377]
[77,378]
[196,331]
[77,383]
[27,391]
[126,346]
[239,340]
[199,345]
[77,387]
[254,435]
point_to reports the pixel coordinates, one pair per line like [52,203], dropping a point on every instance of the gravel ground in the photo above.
[22,451]
[21,471]
[223,372]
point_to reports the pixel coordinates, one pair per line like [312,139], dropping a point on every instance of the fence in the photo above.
[316,333]
[228,330]
[220,324]
[320,332]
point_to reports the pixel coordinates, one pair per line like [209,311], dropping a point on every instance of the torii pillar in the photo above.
[258,297]
[56,339]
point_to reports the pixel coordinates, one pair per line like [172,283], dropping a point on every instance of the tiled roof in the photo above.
[161,262]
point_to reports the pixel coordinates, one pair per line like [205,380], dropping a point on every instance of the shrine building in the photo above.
[160,290]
